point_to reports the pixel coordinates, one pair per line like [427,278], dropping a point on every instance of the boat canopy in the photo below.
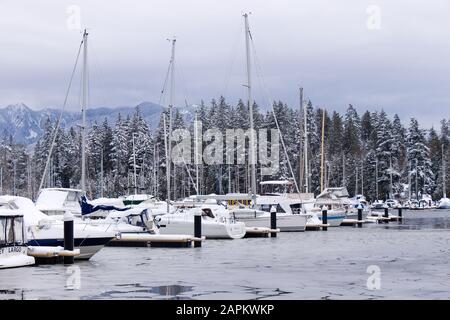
[11,228]
[333,196]
[24,206]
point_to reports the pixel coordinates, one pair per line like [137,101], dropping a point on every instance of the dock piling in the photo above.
[400,215]
[386,215]
[68,237]
[273,221]
[198,229]
[360,211]
[324,218]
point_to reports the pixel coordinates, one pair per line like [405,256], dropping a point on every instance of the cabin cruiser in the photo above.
[216,221]
[444,203]
[392,203]
[13,244]
[44,230]
[337,203]
[288,209]
[379,204]
[56,201]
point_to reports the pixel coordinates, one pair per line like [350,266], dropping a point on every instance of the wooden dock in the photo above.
[317,226]
[352,222]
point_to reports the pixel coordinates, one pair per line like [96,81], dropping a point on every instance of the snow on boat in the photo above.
[444,203]
[13,249]
[216,223]
[48,231]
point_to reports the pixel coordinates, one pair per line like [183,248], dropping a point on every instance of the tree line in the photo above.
[371,154]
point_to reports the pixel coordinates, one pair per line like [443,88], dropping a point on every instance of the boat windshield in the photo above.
[11,231]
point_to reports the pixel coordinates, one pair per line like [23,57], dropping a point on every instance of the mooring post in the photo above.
[324,218]
[400,214]
[273,221]
[198,228]
[386,214]
[360,212]
[68,236]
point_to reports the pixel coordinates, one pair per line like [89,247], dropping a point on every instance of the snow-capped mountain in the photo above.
[26,125]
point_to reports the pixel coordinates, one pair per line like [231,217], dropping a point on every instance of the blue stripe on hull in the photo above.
[77,241]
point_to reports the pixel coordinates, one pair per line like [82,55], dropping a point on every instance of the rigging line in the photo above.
[163,91]
[58,122]
[271,101]
[233,54]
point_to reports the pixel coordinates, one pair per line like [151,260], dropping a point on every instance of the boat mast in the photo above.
[250,108]
[376,176]
[391,195]
[301,146]
[322,150]
[134,165]
[197,152]
[168,143]
[83,112]
[443,174]
[305,113]
[409,182]
[417,182]
[102,184]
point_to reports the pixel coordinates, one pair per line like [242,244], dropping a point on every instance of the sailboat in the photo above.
[444,203]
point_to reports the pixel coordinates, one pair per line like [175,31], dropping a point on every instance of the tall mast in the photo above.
[409,182]
[322,150]
[169,134]
[102,183]
[301,146]
[376,176]
[250,109]
[390,178]
[443,174]
[83,112]
[417,181]
[197,153]
[305,119]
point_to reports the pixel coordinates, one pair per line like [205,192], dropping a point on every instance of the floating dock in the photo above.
[316,226]
[352,222]
[50,255]
[154,240]
[259,232]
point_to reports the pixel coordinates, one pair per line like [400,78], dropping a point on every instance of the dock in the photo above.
[154,240]
[50,255]
[316,226]
[352,222]
[259,232]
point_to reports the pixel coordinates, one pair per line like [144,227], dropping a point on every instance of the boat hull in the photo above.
[285,222]
[14,257]
[211,230]
[88,246]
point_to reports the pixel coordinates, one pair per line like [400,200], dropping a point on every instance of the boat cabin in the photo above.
[56,201]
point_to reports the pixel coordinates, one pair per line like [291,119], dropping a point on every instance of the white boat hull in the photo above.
[13,257]
[444,203]
[210,229]
[285,222]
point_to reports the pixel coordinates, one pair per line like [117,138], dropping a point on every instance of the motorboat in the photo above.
[13,244]
[44,230]
[56,201]
[392,203]
[216,221]
[378,205]
[444,203]
[337,204]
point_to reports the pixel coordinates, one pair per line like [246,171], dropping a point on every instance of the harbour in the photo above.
[412,257]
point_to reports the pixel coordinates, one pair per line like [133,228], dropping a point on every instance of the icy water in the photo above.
[411,261]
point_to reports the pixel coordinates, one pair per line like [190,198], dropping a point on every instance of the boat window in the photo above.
[296,208]
[10,238]
[267,207]
[207,212]
[2,232]
[72,196]
[18,230]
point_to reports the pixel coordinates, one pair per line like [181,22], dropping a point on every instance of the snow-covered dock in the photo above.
[154,240]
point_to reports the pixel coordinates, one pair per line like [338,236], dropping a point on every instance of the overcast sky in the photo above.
[373,54]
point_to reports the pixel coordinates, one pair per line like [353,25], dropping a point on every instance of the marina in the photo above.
[412,257]
[153,166]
